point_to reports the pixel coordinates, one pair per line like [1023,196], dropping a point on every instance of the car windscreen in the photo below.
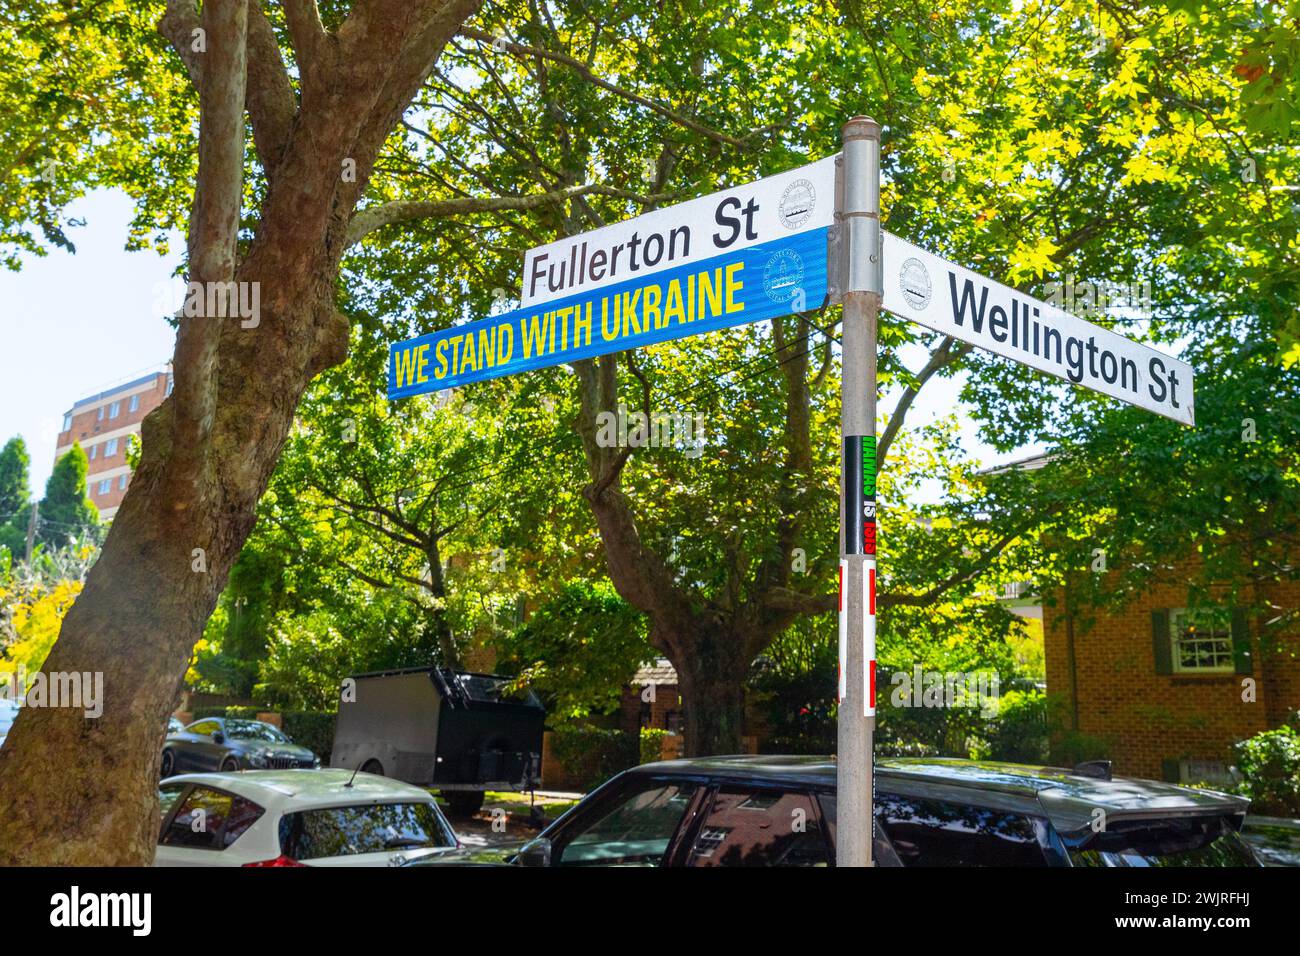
[372,828]
[1173,842]
[254,730]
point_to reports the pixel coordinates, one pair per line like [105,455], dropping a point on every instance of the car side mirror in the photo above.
[535,853]
[218,737]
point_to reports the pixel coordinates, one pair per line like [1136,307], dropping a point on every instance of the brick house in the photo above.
[653,699]
[1168,689]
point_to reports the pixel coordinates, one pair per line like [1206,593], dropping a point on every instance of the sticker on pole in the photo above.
[869,638]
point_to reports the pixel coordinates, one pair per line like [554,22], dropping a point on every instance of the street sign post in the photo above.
[760,251]
[860,285]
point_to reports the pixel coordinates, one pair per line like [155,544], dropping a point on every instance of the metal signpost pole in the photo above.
[862,284]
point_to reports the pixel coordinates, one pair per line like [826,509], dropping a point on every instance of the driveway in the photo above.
[509,817]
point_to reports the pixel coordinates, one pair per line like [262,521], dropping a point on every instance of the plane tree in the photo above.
[321,91]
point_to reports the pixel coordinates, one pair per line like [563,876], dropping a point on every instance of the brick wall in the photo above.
[1148,718]
[663,712]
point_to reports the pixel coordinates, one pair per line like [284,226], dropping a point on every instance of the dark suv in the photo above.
[780,811]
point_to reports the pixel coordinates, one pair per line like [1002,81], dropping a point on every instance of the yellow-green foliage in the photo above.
[37,617]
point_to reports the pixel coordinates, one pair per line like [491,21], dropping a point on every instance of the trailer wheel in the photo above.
[463,803]
[373,766]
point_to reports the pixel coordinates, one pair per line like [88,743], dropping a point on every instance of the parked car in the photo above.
[174,725]
[8,714]
[266,818]
[780,811]
[460,732]
[228,744]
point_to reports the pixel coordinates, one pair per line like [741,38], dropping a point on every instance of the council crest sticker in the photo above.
[783,275]
[914,280]
[797,203]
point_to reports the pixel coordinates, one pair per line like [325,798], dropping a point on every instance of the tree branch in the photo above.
[214,226]
[943,356]
[583,70]
[366,52]
[981,564]
[270,99]
[371,218]
[311,44]
[178,24]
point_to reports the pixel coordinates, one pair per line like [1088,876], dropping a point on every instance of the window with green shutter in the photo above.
[1200,641]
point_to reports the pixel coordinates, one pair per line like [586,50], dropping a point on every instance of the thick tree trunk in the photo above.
[76,789]
[711,678]
[144,606]
[711,641]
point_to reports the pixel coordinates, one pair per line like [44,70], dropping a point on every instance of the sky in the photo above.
[73,325]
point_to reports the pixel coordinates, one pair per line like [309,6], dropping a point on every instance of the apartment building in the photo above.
[103,424]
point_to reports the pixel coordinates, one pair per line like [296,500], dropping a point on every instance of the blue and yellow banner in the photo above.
[748,285]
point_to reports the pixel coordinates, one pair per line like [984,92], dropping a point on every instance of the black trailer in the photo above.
[459,732]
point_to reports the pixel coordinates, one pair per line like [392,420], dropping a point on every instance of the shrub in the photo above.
[893,747]
[1269,764]
[792,684]
[811,745]
[652,743]
[1020,733]
[311,729]
[1072,747]
[591,755]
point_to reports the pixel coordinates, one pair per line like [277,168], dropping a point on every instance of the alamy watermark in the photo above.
[635,429]
[75,908]
[922,688]
[217,300]
[1086,297]
[78,690]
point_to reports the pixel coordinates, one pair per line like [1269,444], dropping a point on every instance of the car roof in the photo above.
[1069,799]
[323,787]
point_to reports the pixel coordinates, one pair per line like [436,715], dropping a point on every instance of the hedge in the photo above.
[312,729]
[652,744]
[591,755]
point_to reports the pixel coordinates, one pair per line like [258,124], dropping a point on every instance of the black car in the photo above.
[228,744]
[780,811]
